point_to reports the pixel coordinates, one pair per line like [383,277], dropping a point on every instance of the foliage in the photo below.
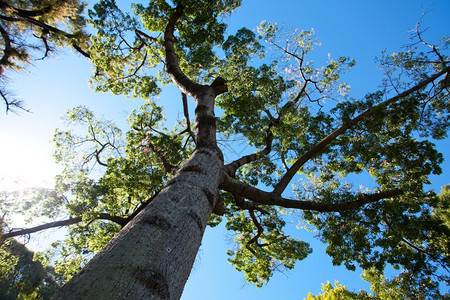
[382,288]
[300,122]
[126,54]
[31,30]
[340,292]
[273,250]
[24,274]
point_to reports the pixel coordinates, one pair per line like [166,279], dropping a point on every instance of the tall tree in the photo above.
[159,189]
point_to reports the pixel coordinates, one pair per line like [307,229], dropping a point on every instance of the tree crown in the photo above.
[298,120]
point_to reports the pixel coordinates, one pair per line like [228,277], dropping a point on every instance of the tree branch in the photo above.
[232,167]
[271,198]
[433,48]
[187,118]
[7,50]
[168,167]
[418,249]
[186,85]
[260,230]
[142,34]
[29,13]
[102,216]
[27,16]
[81,51]
[141,207]
[241,203]
[282,184]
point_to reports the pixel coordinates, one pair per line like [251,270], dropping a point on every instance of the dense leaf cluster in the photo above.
[24,274]
[31,30]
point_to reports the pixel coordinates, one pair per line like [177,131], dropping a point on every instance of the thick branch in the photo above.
[282,184]
[97,157]
[81,51]
[236,187]
[142,34]
[219,86]
[7,50]
[240,201]
[178,77]
[103,216]
[29,13]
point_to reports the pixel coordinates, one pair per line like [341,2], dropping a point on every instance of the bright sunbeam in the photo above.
[24,165]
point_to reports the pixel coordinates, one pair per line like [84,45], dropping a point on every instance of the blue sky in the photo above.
[359,29]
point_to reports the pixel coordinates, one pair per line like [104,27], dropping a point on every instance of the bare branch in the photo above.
[433,47]
[186,117]
[102,216]
[11,103]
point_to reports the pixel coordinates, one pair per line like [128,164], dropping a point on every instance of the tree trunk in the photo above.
[152,256]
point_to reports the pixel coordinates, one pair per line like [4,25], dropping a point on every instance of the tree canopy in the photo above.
[31,30]
[301,126]
[24,274]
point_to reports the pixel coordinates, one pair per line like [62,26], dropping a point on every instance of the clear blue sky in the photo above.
[357,28]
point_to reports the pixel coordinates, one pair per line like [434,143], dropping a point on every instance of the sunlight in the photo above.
[24,165]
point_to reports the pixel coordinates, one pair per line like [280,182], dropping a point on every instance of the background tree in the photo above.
[52,23]
[24,274]
[324,143]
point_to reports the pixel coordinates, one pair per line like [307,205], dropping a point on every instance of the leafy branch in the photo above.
[284,181]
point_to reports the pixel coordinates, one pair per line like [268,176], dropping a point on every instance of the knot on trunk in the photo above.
[219,85]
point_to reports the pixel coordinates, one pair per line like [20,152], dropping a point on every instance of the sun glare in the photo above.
[25,165]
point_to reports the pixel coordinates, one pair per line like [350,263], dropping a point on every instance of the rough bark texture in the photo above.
[152,256]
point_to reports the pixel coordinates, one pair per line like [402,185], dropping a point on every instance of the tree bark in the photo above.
[152,256]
